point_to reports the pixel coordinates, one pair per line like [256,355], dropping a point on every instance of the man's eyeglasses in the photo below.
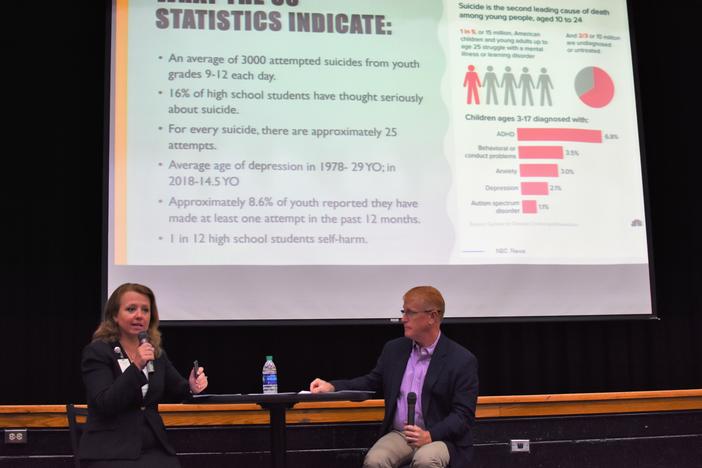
[411,313]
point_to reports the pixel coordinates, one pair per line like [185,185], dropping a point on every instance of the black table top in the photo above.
[282,398]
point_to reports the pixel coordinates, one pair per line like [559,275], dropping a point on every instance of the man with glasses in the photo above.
[442,374]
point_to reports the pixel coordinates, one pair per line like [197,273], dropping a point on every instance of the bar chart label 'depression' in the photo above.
[369,145]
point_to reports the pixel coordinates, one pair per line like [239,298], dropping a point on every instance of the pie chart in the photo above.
[594,87]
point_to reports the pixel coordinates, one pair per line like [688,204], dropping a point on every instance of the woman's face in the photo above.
[134,314]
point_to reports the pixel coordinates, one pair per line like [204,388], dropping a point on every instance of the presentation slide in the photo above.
[310,159]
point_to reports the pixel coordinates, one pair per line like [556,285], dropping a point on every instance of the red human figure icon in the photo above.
[472,82]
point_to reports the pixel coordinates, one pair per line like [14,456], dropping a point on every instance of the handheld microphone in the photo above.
[144,338]
[411,401]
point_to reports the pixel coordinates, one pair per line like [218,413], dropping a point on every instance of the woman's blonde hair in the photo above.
[108,330]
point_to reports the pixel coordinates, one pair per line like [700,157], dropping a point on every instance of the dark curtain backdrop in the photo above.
[55,221]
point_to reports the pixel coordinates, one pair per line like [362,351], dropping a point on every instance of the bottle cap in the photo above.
[269,358]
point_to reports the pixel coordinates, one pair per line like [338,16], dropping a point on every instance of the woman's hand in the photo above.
[144,354]
[199,383]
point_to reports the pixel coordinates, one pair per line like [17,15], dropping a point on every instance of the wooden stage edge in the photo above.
[54,416]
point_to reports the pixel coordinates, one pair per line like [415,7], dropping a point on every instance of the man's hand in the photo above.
[416,436]
[321,386]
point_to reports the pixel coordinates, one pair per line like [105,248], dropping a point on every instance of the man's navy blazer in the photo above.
[116,408]
[449,394]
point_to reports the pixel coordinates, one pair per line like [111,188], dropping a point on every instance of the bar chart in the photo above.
[536,169]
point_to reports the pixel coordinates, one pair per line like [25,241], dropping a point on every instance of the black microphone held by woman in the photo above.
[144,338]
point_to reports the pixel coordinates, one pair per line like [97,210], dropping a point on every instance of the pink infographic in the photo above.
[544,137]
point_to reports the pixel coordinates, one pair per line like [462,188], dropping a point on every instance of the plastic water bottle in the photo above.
[270,376]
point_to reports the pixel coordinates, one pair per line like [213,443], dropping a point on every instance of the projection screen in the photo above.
[312,160]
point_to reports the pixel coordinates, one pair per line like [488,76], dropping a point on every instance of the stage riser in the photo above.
[670,439]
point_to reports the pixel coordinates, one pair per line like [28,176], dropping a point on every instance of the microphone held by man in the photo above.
[411,401]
